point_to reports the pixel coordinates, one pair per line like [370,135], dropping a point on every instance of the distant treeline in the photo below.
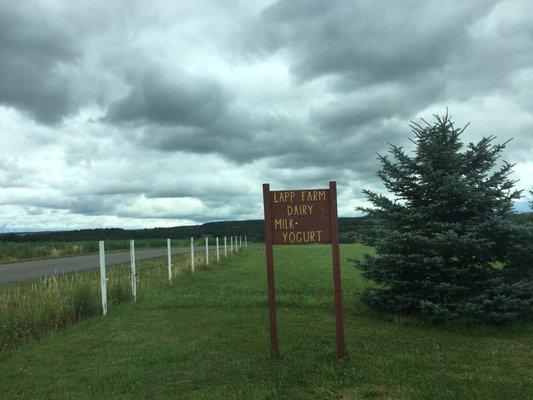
[526,217]
[351,229]
[254,229]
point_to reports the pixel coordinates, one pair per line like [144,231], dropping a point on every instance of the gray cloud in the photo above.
[13,175]
[376,103]
[369,42]
[180,100]
[184,113]
[134,114]
[37,52]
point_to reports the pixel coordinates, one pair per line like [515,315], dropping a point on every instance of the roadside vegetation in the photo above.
[32,308]
[23,251]
[206,337]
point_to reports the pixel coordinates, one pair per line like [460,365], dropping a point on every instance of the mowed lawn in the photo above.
[206,337]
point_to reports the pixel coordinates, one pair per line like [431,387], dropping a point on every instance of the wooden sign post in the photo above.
[299,217]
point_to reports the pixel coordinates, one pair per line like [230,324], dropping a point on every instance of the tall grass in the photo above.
[30,309]
[20,251]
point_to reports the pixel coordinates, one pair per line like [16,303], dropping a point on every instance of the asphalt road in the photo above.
[25,270]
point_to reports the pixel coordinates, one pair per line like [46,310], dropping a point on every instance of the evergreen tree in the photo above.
[447,243]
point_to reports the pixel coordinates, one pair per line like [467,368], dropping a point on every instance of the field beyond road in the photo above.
[206,337]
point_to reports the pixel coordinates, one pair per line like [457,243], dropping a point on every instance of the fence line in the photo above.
[235,242]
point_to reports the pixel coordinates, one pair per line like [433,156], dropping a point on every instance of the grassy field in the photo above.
[206,337]
[22,251]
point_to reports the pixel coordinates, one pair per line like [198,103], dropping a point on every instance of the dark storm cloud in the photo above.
[35,50]
[368,41]
[180,100]
[436,51]
[344,158]
[240,143]
[379,102]
[186,114]
[180,112]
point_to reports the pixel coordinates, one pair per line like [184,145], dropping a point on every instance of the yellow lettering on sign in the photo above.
[283,197]
[283,223]
[300,209]
[313,195]
[301,237]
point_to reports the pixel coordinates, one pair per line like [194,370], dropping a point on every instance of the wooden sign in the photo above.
[300,217]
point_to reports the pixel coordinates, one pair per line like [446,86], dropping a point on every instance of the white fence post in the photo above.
[236,245]
[103,279]
[133,270]
[206,250]
[218,252]
[169,260]
[245,241]
[231,244]
[240,241]
[192,254]
[225,247]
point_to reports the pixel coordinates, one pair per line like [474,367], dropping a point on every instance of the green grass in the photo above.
[206,337]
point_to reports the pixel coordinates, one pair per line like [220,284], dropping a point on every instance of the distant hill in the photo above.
[350,229]
[254,229]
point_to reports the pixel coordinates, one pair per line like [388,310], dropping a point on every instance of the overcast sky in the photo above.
[163,113]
